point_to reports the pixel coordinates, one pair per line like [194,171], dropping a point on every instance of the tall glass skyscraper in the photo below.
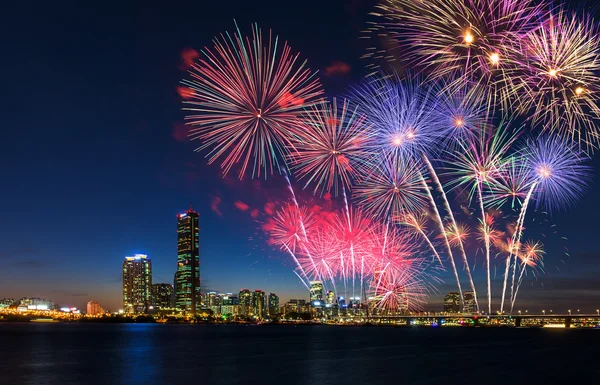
[187,277]
[137,284]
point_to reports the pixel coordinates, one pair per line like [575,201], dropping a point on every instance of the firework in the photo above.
[402,113]
[463,39]
[512,184]
[289,225]
[557,170]
[462,111]
[398,290]
[245,96]
[392,188]
[530,256]
[332,146]
[479,164]
[417,224]
[559,77]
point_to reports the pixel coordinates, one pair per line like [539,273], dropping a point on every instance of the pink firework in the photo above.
[397,290]
[289,225]
[332,147]
[245,96]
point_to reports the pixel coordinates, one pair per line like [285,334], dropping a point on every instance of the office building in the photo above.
[258,304]
[137,284]
[187,277]
[163,296]
[245,300]
[316,291]
[93,308]
[229,305]
[469,302]
[452,302]
[273,304]
[330,300]
[296,306]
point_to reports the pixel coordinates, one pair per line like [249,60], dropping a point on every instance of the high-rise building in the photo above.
[245,300]
[258,303]
[94,308]
[296,306]
[469,302]
[452,302]
[330,300]
[273,304]
[316,291]
[229,304]
[162,296]
[137,284]
[187,277]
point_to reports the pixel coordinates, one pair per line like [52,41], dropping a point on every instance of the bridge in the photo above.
[518,320]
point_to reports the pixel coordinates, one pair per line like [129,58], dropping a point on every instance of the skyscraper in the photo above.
[245,300]
[137,284]
[273,304]
[258,303]
[330,300]
[316,291]
[187,277]
[452,302]
[162,295]
[469,302]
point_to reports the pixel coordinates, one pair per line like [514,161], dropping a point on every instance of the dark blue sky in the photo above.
[92,168]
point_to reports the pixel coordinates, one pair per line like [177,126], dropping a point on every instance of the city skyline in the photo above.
[126,201]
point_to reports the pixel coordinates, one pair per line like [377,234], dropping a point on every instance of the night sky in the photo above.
[95,165]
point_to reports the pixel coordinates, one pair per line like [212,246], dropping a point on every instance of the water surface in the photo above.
[156,354]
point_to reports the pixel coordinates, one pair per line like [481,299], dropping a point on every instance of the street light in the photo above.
[544,312]
[569,311]
[598,311]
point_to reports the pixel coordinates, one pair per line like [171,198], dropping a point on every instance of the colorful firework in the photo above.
[402,113]
[557,170]
[462,39]
[332,146]
[558,77]
[255,106]
[392,188]
[245,98]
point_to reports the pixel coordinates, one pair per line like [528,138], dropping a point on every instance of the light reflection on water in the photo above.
[151,354]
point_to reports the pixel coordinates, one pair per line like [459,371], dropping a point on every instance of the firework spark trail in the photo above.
[515,241]
[351,243]
[301,220]
[519,233]
[533,253]
[301,280]
[297,263]
[486,237]
[451,215]
[518,240]
[412,221]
